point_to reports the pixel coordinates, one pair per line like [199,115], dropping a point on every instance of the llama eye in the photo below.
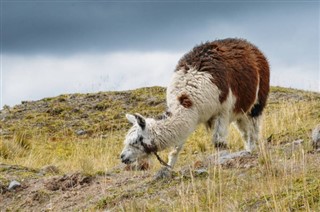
[134,145]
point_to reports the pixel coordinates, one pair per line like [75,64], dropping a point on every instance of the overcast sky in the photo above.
[54,47]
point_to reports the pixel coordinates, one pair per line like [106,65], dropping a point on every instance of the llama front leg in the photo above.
[166,172]
[173,155]
[220,132]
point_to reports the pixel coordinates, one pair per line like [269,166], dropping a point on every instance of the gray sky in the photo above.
[55,47]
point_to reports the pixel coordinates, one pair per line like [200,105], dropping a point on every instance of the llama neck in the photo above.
[175,129]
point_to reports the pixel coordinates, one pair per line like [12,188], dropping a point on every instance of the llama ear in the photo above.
[131,118]
[140,120]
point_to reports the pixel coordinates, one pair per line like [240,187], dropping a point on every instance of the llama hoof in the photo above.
[220,145]
[163,173]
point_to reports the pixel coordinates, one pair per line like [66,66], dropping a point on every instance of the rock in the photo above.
[201,172]
[13,185]
[297,142]
[225,156]
[316,138]
[163,173]
[240,159]
[81,132]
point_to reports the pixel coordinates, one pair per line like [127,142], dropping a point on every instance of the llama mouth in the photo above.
[126,161]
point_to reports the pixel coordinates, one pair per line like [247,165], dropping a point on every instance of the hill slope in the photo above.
[65,150]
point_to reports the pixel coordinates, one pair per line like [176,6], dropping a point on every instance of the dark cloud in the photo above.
[81,26]
[48,46]
[66,27]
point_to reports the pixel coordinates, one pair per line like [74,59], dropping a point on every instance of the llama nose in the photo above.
[122,156]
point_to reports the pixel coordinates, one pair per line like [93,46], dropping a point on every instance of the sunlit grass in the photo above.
[284,121]
[285,178]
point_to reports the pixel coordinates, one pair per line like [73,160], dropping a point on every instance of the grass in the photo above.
[284,178]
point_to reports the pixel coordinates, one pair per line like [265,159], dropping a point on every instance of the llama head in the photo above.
[139,142]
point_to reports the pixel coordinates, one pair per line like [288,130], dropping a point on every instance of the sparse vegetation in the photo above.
[84,133]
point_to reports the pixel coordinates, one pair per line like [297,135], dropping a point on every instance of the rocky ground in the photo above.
[45,190]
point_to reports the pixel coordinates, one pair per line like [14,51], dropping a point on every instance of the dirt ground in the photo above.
[108,191]
[69,192]
[41,191]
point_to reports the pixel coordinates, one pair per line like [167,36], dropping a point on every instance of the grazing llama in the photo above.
[216,83]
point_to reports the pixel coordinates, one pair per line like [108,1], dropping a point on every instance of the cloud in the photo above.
[301,76]
[55,47]
[64,27]
[32,78]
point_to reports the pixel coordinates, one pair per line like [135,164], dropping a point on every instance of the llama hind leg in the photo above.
[250,130]
[220,132]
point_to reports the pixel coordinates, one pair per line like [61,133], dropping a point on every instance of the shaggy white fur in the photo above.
[174,130]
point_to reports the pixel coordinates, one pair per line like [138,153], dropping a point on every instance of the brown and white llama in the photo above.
[216,83]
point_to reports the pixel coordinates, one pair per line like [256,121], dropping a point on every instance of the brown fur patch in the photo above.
[149,148]
[185,100]
[235,64]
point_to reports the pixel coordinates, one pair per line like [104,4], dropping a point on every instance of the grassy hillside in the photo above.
[81,136]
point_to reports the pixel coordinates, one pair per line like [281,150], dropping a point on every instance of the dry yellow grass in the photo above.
[286,177]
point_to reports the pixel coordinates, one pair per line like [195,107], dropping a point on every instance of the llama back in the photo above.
[236,65]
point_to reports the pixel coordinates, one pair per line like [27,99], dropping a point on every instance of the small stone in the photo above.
[298,142]
[201,172]
[164,173]
[81,132]
[226,157]
[13,185]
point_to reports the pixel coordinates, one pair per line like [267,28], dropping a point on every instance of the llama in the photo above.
[216,83]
